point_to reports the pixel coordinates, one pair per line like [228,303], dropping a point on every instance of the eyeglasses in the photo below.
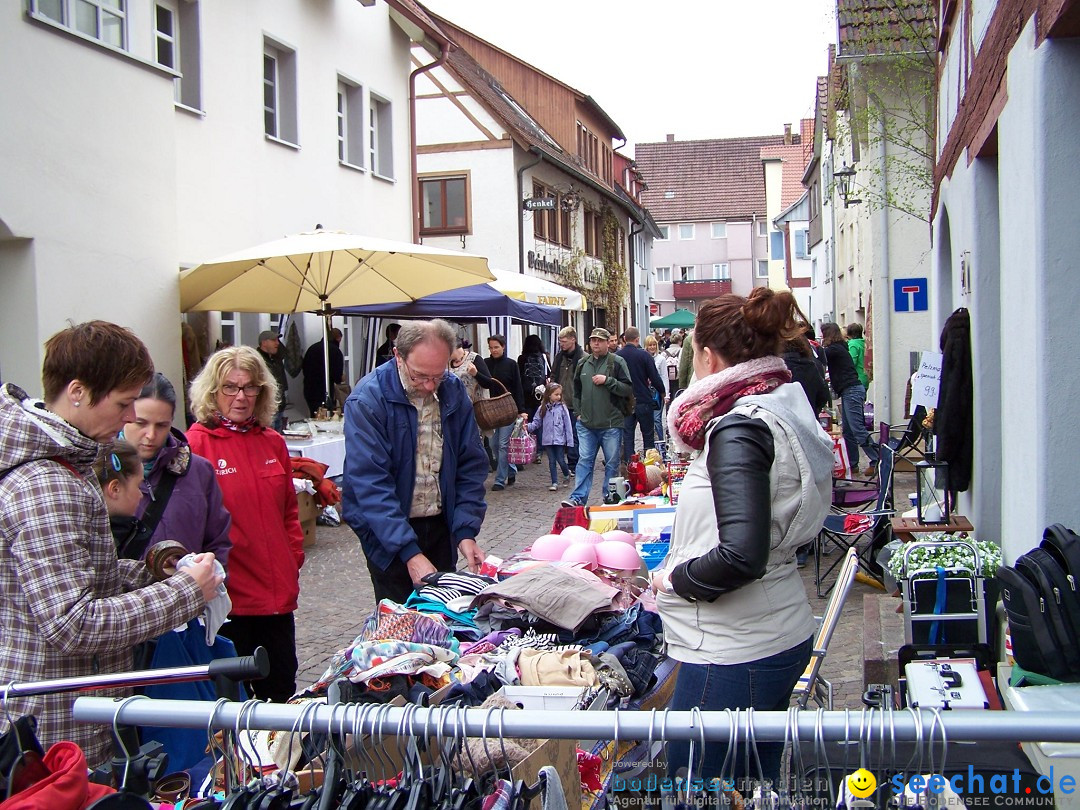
[417,379]
[230,390]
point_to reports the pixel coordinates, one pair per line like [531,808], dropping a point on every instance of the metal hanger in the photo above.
[821,756]
[122,799]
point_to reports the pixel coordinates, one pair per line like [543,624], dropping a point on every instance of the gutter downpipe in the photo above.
[833,237]
[634,231]
[521,196]
[883,293]
[415,191]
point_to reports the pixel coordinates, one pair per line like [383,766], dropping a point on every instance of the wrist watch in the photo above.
[665,583]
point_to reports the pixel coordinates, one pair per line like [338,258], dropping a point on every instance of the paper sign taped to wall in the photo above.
[924,389]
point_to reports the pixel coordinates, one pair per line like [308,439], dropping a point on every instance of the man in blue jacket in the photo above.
[414,467]
[646,379]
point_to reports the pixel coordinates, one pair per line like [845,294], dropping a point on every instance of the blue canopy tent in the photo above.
[478,303]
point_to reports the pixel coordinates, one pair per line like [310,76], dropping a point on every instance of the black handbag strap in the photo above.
[134,548]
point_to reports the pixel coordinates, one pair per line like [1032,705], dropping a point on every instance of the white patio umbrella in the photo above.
[537,290]
[321,270]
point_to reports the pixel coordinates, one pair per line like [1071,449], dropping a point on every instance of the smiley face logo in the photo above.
[861,783]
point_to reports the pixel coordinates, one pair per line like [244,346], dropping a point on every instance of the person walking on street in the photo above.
[856,347]
[645,379]
[316,394]
[552,422]
[414,466]
[562,372]
[845,382]
[506,371]
[271,353]
[535,370]
[600,380]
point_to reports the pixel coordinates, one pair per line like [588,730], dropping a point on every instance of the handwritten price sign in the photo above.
[924,389]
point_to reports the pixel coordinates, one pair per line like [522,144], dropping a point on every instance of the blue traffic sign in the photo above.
[910,295]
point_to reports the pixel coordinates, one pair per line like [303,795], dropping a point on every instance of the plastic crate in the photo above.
[652,554]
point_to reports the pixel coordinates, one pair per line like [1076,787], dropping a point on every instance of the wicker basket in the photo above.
[496,412]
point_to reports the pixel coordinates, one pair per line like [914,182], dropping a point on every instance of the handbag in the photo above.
[496,412]
[522,448]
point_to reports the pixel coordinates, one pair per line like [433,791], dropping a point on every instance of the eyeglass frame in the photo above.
[258,390]
[417,379]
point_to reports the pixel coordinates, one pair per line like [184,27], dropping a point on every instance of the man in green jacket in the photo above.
[601,382]
[856,347]
[686,360]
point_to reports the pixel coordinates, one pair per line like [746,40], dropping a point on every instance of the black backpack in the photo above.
[534,373]
[1042,601]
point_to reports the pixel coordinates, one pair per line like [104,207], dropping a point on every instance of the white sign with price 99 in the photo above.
[924,389]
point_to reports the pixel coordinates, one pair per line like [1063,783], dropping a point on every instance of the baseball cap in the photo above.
[269,334]
[603,334]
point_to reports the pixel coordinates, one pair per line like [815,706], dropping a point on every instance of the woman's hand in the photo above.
[471,369]
[204,572]
[661,582]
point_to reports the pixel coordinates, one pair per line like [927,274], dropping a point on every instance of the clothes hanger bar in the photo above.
[959,724]
[246,667]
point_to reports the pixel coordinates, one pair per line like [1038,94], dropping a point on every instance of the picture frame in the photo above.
[654,521]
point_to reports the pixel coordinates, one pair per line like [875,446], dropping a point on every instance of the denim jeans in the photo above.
[764,685]
[852,400]
[571,449]
[500,446]
[556,461]
[658,424]
[589,443]
[643,416]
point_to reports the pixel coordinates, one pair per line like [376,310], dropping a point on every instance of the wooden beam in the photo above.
[464,110]
[463,146]
[443,95]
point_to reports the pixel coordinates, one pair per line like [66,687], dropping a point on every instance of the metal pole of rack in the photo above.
[868,724]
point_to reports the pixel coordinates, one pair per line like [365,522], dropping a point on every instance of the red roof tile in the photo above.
[714,179]
[885,26]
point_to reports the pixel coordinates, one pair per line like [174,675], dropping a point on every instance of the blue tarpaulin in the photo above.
[476,303]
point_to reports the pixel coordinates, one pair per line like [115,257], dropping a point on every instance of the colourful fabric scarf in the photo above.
[716,394]
[239,427]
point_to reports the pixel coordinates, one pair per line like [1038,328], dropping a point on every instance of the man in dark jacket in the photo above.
[645,378]
[562,372]
[315,392]
[505,370]
[270,351]
[414,467]
[386,349]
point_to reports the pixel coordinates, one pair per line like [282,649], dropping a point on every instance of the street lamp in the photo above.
[844,183]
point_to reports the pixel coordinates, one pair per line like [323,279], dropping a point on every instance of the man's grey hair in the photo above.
[434,331]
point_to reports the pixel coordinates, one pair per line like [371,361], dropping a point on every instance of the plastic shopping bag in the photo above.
[522,445]
[841,462]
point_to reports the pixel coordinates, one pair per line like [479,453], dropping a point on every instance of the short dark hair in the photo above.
[100,355]
[854,330]
[392,330]
[161,389]
[499,339]
[118,461]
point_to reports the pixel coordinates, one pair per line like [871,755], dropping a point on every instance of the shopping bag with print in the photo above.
[841,462]
[522,445]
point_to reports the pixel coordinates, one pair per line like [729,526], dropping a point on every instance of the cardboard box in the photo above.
[309,511]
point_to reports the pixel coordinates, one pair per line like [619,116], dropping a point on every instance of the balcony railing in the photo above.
[707,288]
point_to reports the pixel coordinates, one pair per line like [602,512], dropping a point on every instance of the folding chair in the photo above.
[871,533]
[905,440]
[811,684]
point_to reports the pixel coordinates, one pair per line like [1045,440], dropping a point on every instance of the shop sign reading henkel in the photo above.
[539,203]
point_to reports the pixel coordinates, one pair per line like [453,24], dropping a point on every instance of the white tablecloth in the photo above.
[329,448]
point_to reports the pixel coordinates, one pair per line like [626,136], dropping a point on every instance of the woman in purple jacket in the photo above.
[181,498]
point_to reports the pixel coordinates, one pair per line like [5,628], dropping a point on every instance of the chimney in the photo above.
[787,134]
[671,138]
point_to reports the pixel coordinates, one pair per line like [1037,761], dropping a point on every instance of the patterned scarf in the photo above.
[239,427]
[715,395]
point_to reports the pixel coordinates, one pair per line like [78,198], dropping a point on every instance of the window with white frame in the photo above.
[279,92]
[762,268]
[801,239]
[762,228]
[101,20]
[688,272]
[663,233]
[228,329]
[176,46]
[719,230]
[721,272]
[380,138]
[686,231]
[350,122]
[165,36]
[663,273]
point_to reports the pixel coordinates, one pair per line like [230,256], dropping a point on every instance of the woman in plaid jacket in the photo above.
[67,606]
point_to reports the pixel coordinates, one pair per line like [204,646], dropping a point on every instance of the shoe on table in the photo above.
[571,502]
[553,488]
[497,487]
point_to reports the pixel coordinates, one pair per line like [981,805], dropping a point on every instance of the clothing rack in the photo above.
[869,725]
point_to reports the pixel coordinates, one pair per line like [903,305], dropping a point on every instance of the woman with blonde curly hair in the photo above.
[234,399]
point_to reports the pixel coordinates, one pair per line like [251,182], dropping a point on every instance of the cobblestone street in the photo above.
[336,595]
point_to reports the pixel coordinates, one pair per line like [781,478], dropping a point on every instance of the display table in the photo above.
[328,448]
[905,528]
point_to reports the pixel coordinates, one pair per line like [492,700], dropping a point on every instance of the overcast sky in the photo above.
[695,68]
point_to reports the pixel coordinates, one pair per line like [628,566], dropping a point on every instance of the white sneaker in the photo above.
[553,488]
